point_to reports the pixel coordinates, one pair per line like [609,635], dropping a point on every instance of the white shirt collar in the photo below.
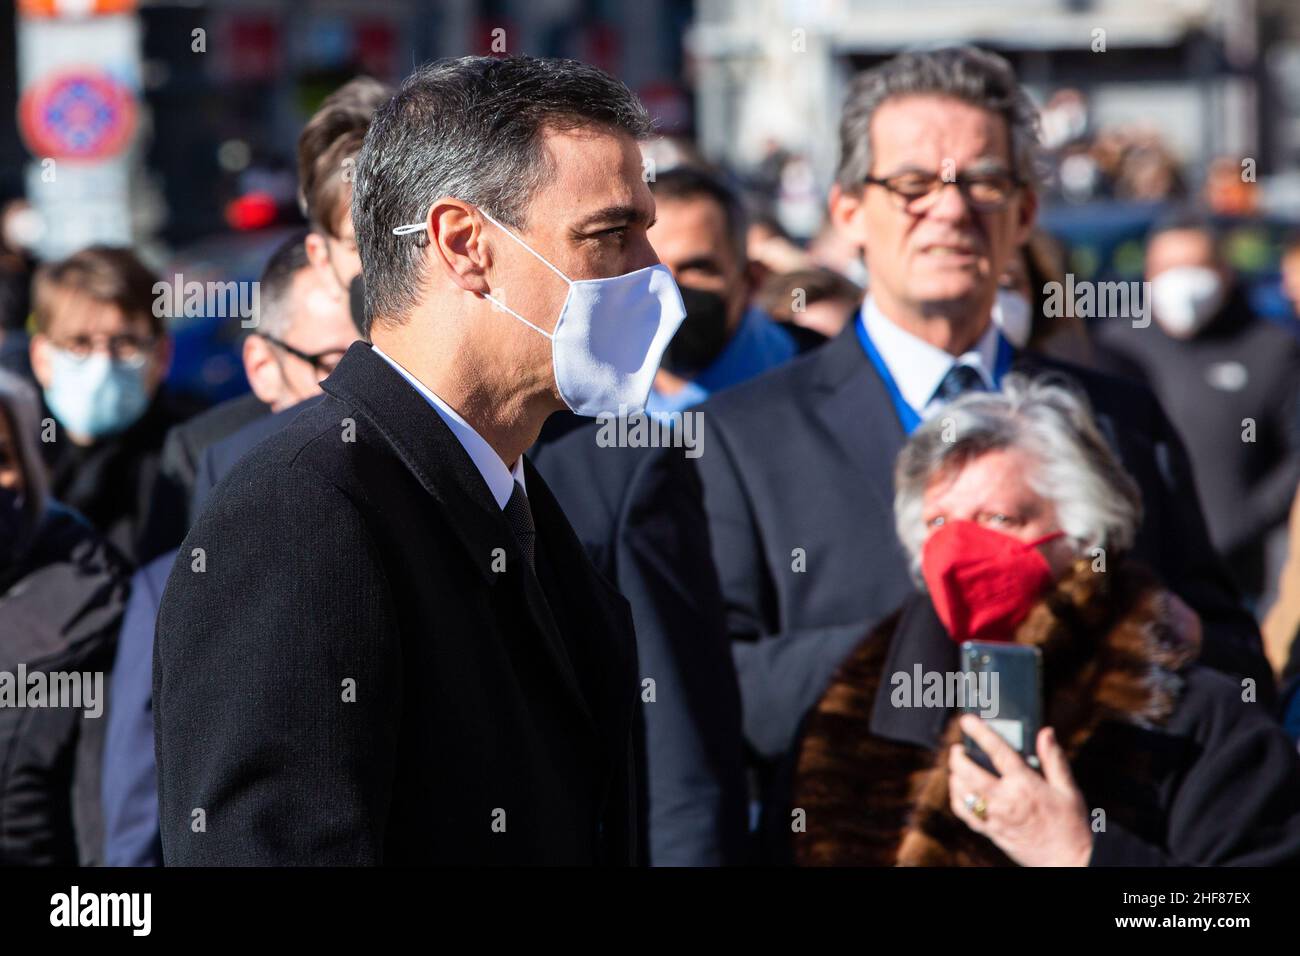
[917,366]
[500,480]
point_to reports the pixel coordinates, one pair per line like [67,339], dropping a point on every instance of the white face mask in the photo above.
[1185,298]
[1011,316]
[610,337]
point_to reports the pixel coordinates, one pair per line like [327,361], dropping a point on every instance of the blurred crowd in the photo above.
[1176,452]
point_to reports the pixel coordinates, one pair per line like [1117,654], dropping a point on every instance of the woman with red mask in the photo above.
[1016,518]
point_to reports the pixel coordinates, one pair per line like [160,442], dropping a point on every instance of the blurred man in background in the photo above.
[700,235]
[302,330]
[327,152]
[798,477]
[101,353]
[1231,384]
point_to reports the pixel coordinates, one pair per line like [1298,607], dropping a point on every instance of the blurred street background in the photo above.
[190,155]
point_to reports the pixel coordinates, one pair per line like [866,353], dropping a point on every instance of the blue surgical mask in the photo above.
[96,395]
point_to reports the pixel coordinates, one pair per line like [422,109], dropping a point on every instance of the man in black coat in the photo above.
[391,647]
[1231,383]
[798,465]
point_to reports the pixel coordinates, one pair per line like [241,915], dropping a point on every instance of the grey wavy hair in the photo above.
[1097,502]
[22,410]
[965,73]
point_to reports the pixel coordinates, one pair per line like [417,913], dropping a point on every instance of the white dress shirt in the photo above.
[917,366]
[500,480]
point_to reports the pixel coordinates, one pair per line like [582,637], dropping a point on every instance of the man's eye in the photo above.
[934,522]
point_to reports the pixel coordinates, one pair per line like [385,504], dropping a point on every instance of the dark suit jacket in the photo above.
[218,458]
[368,671]
[173,486]
[798,481]
[130,777]
[640,514]
[129,781]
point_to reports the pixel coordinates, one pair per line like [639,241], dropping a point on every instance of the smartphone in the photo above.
[1004,689]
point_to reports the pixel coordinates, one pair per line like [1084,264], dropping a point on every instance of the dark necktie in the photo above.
[520,517]
[959,380]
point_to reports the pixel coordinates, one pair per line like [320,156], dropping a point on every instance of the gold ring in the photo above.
[976,805]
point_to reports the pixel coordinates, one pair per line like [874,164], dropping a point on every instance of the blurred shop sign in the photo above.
[78,113]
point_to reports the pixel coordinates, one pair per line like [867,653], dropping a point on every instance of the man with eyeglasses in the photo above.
[301,331]
[935,184]
[100,354]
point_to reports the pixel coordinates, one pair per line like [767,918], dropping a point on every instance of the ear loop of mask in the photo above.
[415,227]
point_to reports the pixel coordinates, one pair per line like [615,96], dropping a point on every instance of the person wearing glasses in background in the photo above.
[935,183]
[301,333]
[100,355]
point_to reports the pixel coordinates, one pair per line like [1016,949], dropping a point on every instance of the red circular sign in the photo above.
[77,114]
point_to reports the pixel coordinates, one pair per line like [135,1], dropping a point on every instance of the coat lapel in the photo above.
[851,402]
[418,435]
[919,642]
[596,615]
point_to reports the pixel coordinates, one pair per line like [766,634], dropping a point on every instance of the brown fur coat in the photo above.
[1112,650]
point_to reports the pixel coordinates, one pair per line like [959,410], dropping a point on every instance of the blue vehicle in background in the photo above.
[207,359]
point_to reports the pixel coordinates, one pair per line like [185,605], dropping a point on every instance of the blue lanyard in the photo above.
[908,416]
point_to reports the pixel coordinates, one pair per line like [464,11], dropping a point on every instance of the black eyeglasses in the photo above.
[323,362]
[918,191]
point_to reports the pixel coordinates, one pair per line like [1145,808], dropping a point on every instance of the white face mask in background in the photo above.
[96,395]
[1185,298]
[610,337]
[1013,316]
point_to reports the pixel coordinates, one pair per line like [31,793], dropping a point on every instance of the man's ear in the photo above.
[39,351]
[842,206]
[456,247]
[318,254]
[1028,216]
[162,360]
[263,370]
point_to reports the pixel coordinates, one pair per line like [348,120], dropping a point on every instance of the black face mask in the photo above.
[702,335]
[357,303]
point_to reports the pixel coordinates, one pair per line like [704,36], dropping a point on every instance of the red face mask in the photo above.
[983,582]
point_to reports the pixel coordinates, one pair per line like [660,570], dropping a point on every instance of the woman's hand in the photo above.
[1035,820]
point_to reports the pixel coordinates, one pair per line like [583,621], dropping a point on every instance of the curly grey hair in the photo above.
[965,73]
[1097,502]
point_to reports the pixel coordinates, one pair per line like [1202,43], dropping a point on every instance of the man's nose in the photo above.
[950,205]
[642,255]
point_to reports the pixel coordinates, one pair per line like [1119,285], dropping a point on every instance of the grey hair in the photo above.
[275,306]
[965,73]
[21,409]
[470,128]
[1097,502]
